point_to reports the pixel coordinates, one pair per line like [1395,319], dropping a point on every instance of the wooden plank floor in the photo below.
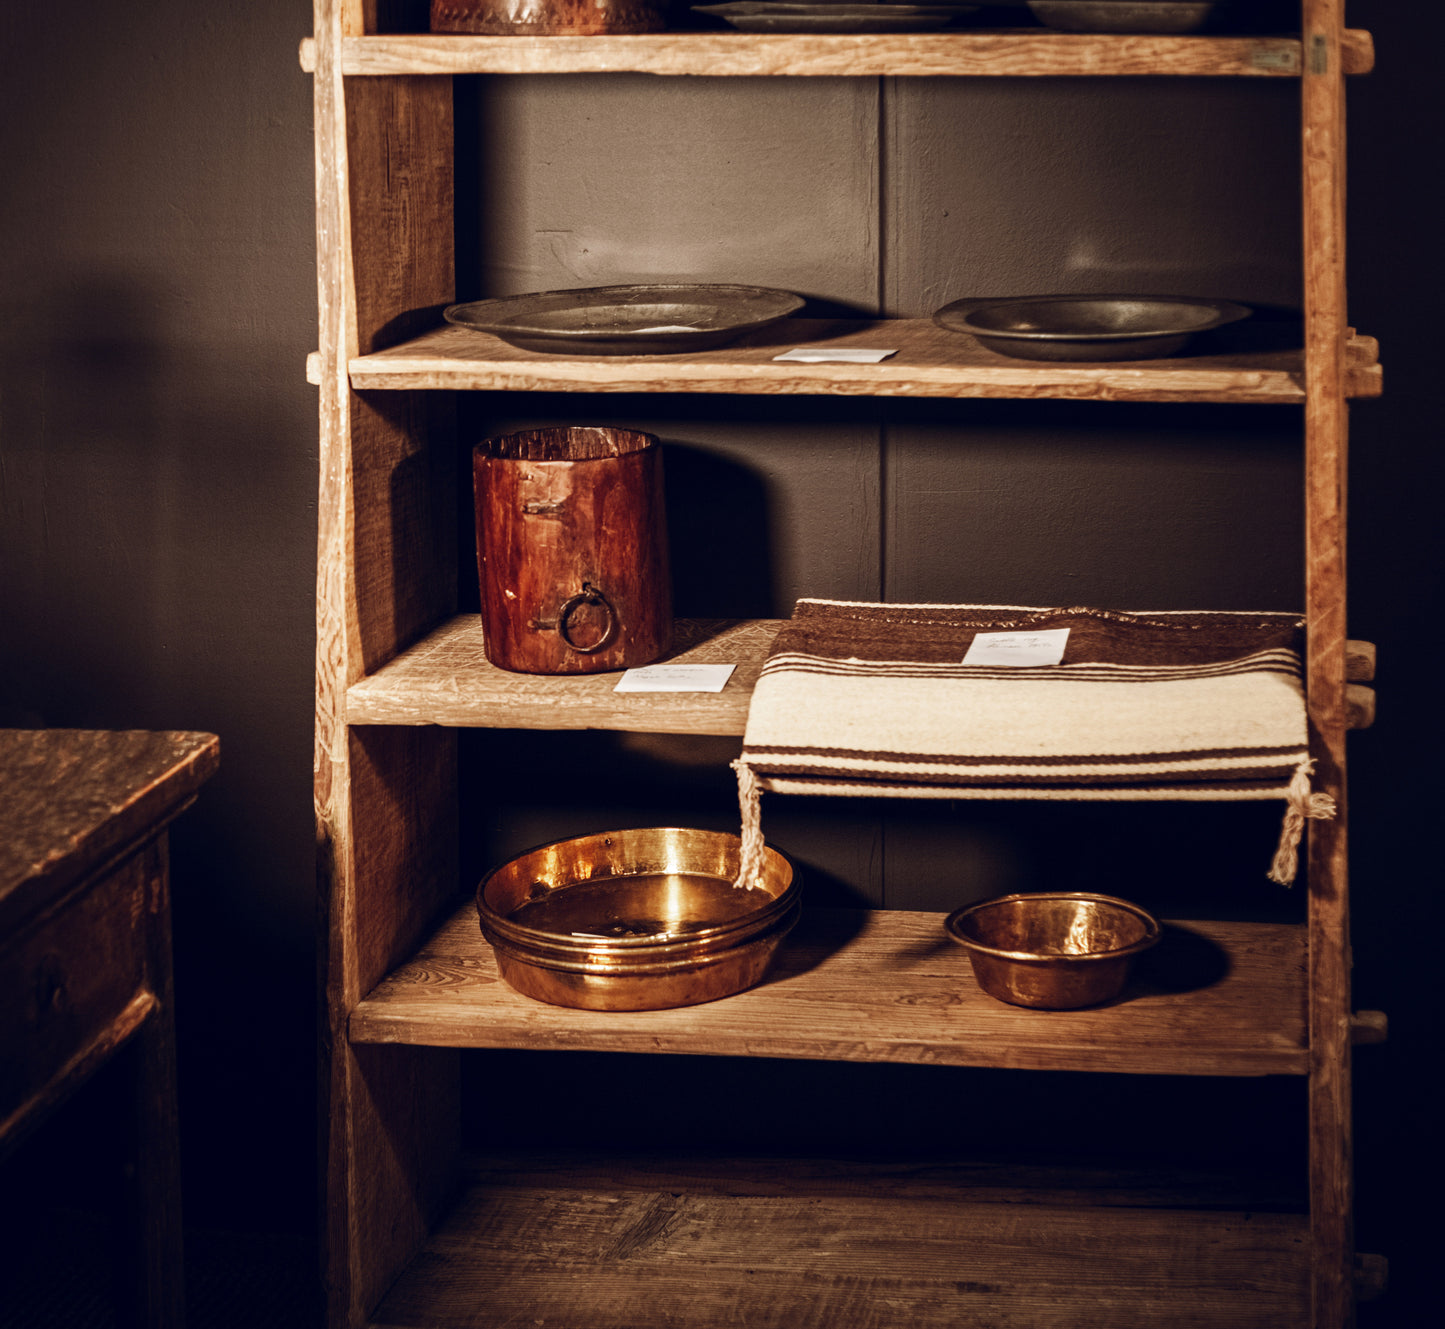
[930,362]
[857,985]
[769,1245]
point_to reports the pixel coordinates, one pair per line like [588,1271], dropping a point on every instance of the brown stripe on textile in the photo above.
[1290,757]
[1276,776]
[942,633]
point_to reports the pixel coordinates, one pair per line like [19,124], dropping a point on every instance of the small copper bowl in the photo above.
[635,920]
[1055,950]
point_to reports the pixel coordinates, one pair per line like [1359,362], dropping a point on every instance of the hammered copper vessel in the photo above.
[1055,950]
[546,18]
[635,920]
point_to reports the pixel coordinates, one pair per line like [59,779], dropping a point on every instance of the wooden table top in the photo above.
[72,799]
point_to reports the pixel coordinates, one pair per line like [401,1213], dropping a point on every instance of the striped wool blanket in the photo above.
[860,698]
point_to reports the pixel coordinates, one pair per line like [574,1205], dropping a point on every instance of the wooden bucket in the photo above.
[572,550]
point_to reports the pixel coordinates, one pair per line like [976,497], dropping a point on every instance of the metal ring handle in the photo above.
[588,595]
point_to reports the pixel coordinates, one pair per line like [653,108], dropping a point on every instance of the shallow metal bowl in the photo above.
[1055,950]
[1088,327]
[635,920]
[628,320]
[1142,16]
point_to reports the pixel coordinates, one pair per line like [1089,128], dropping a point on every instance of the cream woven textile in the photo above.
[861,698]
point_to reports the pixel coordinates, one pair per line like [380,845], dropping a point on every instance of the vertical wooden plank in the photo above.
[1323,143]
[385,804]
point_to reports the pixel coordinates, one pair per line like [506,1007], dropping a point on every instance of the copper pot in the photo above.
[546,18]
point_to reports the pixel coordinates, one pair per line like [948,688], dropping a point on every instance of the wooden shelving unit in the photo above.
[418,1236]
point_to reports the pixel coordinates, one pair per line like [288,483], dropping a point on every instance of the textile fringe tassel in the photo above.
[1302,804]
[750,804]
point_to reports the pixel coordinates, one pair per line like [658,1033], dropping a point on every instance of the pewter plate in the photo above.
[628,320]
[1088,327]
[824,17]
[1156,17]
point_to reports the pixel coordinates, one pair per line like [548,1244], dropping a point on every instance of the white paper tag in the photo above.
[848,355]
[676,678]
[1018,648]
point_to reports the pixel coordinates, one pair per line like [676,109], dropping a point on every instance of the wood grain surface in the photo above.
[931,362]
[385,573]
[931,54]
[820,1246]
[1323,150]
[889,986]
[445,679]
[72,799]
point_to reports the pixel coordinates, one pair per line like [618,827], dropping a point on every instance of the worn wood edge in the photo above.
[1369,1027]
[1023,53]
[1357,50]
[1371,1276]
[433,361]
[313,368]
[149,811]
[1359,706]
[386,55]
[387,1124]
[1360,657]
[77,1070]
[489,697]
[1323,147]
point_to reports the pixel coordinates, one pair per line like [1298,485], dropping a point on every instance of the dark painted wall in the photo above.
[157,474]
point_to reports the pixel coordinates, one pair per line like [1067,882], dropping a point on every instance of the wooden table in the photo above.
[85,953]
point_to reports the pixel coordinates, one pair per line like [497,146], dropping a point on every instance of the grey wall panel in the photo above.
[1129,507]
[769,498]
[1026,186]
[590,180]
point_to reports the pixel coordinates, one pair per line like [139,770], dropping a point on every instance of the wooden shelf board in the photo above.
[778,1244]
[1010,53]
[445,679]
[857,985]
[930,362]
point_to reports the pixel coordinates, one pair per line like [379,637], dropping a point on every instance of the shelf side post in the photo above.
[1326,437]
[385,797]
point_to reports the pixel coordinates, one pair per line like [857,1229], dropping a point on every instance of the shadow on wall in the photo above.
[157,576]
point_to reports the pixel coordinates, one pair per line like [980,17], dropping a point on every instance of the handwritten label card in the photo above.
[676,678]
[1018,648]
[848,355]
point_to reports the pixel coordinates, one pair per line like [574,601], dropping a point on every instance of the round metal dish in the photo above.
[635,920]
[1055,950]
[824,17]
[1158,17]
[1088,327]
[628,320]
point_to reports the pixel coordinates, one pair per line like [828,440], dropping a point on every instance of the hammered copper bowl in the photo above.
[635,920]
[1055,950]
